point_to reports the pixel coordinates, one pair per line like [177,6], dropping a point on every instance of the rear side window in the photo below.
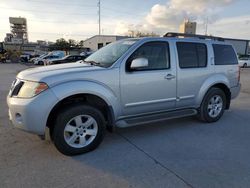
[192,55]
[224,55]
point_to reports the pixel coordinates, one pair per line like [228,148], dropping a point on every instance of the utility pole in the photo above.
[99,14]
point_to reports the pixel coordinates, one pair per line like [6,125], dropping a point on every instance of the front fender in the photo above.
[209,82]
[68,89]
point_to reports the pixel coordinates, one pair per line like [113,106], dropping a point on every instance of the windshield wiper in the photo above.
[92,63]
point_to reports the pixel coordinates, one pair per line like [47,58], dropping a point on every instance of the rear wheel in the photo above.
[213,105]
[79,129]
[245,65]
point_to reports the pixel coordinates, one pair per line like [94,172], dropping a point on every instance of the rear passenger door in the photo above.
[192,70]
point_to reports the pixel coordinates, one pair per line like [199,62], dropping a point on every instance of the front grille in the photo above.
[17,85]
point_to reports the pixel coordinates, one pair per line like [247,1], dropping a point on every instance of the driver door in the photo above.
[152,88]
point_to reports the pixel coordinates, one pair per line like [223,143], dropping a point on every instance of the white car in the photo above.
[43,60]
[244,61]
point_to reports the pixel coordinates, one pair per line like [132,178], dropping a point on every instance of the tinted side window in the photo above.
[224,55]
[78,58]
[157,54]
[71,58]
[202,54]
[192,55]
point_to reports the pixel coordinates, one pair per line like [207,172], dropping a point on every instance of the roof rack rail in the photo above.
[193,36]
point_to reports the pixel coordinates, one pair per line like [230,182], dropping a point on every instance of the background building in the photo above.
[188,27]
[241,46]
[96,42]
[19,31]
[8,38]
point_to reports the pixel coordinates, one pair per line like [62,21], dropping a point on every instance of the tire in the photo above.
[78,129]
[40,63]
[245,65]
[213,106]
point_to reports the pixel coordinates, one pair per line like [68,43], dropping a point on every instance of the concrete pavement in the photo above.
[175,153]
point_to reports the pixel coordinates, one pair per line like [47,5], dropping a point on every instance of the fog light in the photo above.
[19,118]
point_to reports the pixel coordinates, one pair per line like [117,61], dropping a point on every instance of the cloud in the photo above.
[174,12]
[123,27]
[46,26]
[199,6]
[226,27]
[168,17]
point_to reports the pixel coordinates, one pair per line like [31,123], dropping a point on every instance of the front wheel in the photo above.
[213,105]
[78,129]
[245,65]
[40,63]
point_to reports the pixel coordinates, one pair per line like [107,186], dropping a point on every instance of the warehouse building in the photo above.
[98,41]
[241,46]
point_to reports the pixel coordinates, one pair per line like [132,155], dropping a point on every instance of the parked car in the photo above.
[66,59]
[48,57]
[86,53]
[127,83]
[35,59]
[244,61]
[45,59]
[25,58]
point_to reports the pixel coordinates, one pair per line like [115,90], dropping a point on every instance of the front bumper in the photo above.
[235,91]
[31,114]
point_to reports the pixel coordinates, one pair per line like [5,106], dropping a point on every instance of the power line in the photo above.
[48,12]
[122,12]
[42,33]
[61,4]
[56,22]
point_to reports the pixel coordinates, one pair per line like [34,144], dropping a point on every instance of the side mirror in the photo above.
[139,63]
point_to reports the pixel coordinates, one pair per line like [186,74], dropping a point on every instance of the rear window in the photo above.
[224,55]
[192,55]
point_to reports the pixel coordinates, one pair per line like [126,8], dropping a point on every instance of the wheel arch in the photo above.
[82,98]
[222,84]
[91,93]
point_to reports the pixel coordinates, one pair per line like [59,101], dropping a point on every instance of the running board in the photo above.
[152,118]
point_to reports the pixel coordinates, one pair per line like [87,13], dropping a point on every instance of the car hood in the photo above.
[49,73]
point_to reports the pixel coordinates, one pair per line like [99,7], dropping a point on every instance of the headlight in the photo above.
[31,89]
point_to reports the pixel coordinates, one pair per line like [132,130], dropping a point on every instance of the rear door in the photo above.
[192,70]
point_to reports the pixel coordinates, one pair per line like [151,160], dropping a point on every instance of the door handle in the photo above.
[169,77]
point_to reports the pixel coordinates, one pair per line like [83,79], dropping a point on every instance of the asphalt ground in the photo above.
[175,153]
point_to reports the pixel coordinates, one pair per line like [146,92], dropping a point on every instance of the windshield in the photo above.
[43,55]
[66,56]
[109,54]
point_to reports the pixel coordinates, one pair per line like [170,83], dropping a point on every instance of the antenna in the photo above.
[99,14]
[206,26]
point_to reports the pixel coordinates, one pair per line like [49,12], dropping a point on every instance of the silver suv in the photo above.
[129,82]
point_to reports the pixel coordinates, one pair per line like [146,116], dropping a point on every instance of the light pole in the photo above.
[99,14]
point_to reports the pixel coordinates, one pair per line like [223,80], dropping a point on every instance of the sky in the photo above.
[78,19]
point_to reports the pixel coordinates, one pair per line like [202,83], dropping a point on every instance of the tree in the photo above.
[72,43]
[81,43]
[136,33]
[61,44]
